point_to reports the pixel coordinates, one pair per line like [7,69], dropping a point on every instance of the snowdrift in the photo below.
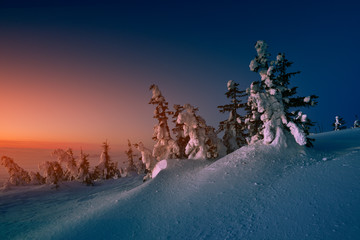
[257,192]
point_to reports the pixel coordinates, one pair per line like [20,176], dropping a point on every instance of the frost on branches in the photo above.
[165,147]
[271,98]
[234,127]
[203,143]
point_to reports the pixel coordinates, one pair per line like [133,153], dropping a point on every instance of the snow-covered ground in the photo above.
[257,192]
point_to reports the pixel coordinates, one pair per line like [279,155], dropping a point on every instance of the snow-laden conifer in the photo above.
[106,168]
[17,175]
[178,130]
[165,147]
[271,99]
[234,127]
[202,143]
[36,178]
[291,102]
[84,166]
[147,158]
[356,122]
[339,124]
[67,157]
[131,168]
[52,172]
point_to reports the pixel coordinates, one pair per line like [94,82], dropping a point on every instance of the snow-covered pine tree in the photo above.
[290,101]
[36,178]
[253,122]
[234,127]
[271,98]
[84,166]
[165,147]
[202,143]
[106,169]
[140,166]
[67,157]
[339,124]
[215,147]
[178,130]
[131,168]
[53,172]
[356,122]
[147,158]
[17,175]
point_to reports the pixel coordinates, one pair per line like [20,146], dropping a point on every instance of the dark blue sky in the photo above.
[189,49]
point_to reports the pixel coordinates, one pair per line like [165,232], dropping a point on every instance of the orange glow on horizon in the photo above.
[48,145]
[45,103]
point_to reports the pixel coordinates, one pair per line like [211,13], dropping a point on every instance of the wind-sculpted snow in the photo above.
[257,192]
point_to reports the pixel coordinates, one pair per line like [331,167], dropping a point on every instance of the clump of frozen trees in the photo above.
[194,138]
[272,114]
[273,106]
[66,167]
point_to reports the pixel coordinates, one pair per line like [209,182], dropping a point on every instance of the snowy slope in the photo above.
[257,192]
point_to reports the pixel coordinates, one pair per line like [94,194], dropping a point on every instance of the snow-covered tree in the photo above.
[234,127]
[178,130]
[253,118]
[215,147]
[131,168]
[165,147]
[17,175]
[271,98]
[36,178]
[290,100]
[67,157]
[84,169]
[106,168]
[356,122]
[147,158]
[52,172]
[200,145]
[339,123]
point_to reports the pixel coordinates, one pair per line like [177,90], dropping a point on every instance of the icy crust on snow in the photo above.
[280,191]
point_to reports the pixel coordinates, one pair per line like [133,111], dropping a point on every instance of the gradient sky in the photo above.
[80,72]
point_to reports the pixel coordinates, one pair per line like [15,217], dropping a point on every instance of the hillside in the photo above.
[257,192]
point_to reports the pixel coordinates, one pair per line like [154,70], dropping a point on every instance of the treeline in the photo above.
[66,167]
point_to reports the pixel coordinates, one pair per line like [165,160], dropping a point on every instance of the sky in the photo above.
[80,72]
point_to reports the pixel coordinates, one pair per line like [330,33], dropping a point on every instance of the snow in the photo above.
[257,192]
[230,84]
[158,167]
[307,99]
